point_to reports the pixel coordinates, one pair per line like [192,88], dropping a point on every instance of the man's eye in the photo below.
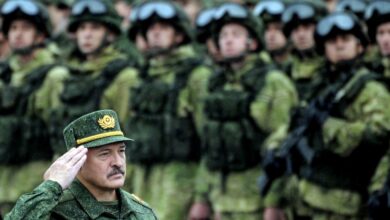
[104,154]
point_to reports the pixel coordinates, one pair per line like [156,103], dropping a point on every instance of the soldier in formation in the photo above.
[215,94]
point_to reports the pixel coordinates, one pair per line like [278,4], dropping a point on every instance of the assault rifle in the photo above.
[295,151]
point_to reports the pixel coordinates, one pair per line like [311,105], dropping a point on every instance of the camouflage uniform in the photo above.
[262,10]
[334,184]
[93,84]
[378,13]
[61,43]
[26,98]
[243,107]
[305,64]
[50,201]
[166,119]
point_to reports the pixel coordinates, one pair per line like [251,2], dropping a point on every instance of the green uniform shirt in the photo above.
[48,201]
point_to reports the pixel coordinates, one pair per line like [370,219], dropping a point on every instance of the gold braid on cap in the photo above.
[98,136]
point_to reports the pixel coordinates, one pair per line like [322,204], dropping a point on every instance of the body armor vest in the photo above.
[160,134]
[353,172]
[82,94]
[232,140]
[23,137]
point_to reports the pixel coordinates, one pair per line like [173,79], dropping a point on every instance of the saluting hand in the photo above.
[65,168]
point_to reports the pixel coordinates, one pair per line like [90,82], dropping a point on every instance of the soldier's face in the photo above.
[90,36]
[58,16]
[274,37]
[162,36]
[23,34]
[234,40]
[303,36]
[342,47]
[383,38]
[105,167]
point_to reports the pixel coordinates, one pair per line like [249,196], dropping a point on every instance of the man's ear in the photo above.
[40,37]
[360,48]
[251,44]
[111,36]
[179,37]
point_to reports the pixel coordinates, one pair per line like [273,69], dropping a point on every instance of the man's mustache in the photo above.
[116,170]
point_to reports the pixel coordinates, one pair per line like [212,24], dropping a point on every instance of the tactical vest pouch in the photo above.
[151,98]
[182,141]
[215,151]
[160,134]
[146,131]
[36,144]
[148,126]
[23,139]
[227,105]
[77,90]
[231,146]
[9,141]
[9,99]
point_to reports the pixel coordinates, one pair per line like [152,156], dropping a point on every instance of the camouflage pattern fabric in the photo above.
[169,187]
[237,195]
[48,201]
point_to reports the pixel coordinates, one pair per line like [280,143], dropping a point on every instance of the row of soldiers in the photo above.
[304,104]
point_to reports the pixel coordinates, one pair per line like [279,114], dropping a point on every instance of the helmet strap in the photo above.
[29,49]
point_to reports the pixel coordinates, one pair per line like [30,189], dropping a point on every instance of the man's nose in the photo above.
[117,160]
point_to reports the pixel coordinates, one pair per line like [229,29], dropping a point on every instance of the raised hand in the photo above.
[65,168]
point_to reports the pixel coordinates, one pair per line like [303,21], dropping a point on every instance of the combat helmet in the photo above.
[150,12]
[101,11]
[301,12]
[356,7]
[134,23]
[377,13]
[269,10]
[232,12]
[60,3]
[30,10]
[204,23]
[338,23]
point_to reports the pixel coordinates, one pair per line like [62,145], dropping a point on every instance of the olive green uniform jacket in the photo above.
[49,201]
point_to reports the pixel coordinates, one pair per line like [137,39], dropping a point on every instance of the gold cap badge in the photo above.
[107,122]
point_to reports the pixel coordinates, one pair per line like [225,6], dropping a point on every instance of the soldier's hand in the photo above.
[199,211]
[274,214]
[65,168]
